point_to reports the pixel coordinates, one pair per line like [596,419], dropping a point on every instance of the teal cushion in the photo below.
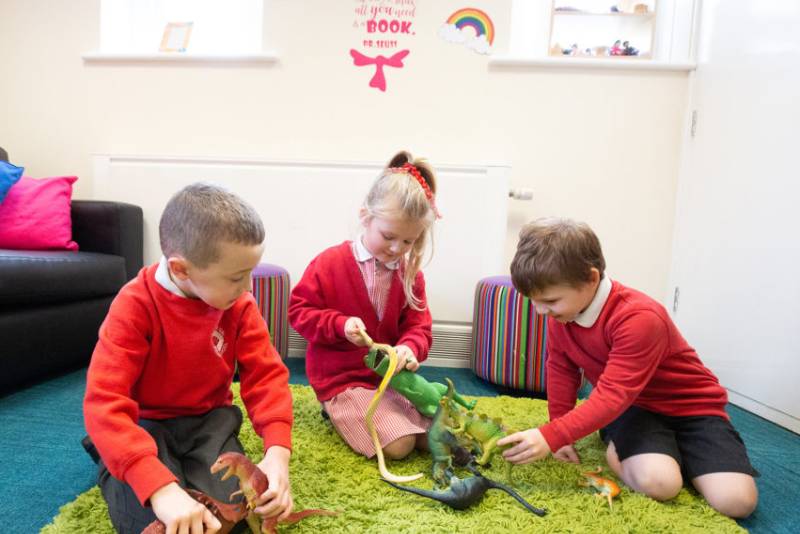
[9,175]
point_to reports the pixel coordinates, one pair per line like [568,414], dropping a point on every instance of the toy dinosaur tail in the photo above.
[447,497]
[497,485]
[373,405]
[294,517]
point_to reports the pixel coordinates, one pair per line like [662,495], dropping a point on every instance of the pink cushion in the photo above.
[35,215]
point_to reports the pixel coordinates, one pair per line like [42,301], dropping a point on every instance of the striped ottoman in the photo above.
[271,290]
[508,337]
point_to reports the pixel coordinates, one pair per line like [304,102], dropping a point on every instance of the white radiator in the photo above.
[452,345]
[310,205]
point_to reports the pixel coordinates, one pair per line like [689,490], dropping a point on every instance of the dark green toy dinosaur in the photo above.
[441,442]
[424,395]
[463,493]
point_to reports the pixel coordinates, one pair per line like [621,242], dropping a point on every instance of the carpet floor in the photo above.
[41,428]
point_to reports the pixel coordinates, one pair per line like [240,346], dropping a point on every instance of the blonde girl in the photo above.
[372,284]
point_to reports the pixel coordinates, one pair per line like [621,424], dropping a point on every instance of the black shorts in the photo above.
[700,444]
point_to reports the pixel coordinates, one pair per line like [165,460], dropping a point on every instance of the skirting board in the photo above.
[770,414]
[452,346]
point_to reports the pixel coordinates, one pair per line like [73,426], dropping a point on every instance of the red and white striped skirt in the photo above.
[394,418]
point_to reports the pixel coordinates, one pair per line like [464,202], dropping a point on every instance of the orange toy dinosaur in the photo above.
[605,487]
[252,483]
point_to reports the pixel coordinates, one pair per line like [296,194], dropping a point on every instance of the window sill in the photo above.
[589,63]
[179,57]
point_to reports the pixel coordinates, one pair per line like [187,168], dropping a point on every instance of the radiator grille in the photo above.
[452,345]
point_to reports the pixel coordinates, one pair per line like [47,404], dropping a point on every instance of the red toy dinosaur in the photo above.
[227,514]
[252,483]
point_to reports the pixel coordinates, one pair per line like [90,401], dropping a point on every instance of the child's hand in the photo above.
[181,513]
[530,446]
[406,358]
[567,453]
[353,328]
[277,500]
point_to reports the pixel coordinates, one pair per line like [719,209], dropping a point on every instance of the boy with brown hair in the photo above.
[659,409]
[158,404]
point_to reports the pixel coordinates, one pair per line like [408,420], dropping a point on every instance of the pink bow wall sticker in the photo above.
[378,80]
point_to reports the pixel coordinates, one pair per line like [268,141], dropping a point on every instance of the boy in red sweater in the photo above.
[659,409]
[158,400]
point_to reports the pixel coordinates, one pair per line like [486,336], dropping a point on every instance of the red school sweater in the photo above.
[160,355]
[332,290]
[633,355]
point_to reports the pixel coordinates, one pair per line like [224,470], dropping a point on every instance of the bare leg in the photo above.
[400,448]
[731,494]
[656,475]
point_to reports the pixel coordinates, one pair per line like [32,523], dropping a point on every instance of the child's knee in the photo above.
[655,481]
[400,448]
[737,506]
[736,499]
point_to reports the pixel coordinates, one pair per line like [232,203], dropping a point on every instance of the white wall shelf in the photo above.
[670,42]
[568,62]
[180,57]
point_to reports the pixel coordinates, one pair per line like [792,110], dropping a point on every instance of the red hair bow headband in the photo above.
[414,172]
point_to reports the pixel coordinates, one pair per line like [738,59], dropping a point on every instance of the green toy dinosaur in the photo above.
[478,433]
[442,443]
[424,395]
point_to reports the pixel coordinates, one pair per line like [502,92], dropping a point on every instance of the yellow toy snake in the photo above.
[373,405]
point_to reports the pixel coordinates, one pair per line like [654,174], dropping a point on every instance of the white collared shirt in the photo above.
[589,316]
[377,276]
[362,254]
[164,280]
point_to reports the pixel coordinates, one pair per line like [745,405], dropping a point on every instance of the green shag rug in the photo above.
[325,473]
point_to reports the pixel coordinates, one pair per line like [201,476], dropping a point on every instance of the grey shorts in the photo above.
[187,446]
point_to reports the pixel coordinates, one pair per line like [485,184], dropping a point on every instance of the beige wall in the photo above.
[601,146]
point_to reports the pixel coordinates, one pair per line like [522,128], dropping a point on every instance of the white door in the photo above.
[736,259]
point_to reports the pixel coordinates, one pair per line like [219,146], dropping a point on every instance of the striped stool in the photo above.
[271,290]
[508,337]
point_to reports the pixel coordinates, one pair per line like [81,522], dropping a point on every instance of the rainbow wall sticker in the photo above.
[470,27]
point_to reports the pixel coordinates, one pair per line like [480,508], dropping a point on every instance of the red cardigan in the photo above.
[161,355]
[331,290]
[633,354]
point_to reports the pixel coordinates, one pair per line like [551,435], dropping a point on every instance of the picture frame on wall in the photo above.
[176,37]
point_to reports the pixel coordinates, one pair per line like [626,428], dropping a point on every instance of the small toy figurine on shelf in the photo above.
[628,50]
[600,51]
[616,48]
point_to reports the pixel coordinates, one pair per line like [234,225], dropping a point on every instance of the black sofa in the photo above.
[53,302]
